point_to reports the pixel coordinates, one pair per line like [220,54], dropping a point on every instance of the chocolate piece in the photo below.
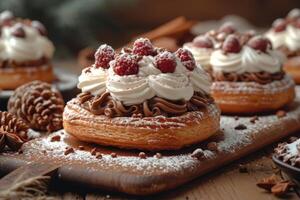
[240,127]
[55,138]
[39,105]
[142,155]
[69,150]
[94,151]
[104,104]
[281,113]
[13,131]
[259,77]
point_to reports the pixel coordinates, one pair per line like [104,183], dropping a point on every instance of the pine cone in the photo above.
[13,131]
[39,105]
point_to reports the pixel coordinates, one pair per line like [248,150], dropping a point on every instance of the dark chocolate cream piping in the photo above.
[104,104]
[259,77]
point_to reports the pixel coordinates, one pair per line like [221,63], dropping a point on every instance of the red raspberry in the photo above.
[228,28]
[186,58]
[259,43]
[104,55]
[165,62]
[143,47]
[126,64]
[203,42]
[279,25]
[231,44]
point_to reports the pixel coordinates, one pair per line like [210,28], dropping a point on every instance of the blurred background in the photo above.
[75,24]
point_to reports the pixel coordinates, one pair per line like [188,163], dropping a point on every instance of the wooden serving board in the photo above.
[129,173]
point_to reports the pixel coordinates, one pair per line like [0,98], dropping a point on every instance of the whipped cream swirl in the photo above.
[201,55]
[289,38]
[247,60]
[93,80]
[148,83]
[31,47]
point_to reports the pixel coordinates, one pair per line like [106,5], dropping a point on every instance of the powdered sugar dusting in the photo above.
[229,141]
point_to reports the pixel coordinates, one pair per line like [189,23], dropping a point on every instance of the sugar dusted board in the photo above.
[129,173]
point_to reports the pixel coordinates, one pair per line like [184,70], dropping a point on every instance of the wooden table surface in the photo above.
[226,183]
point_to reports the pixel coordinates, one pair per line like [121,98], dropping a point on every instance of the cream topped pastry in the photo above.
[248,76]
[23,40]
[25,52]
[143,73]
[143,98]
[285,33]
[203,45]
[255,56]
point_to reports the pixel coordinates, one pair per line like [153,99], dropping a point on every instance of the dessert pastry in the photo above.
[203,45]
[285,36]
[289,153]
[143,98]
[25,52]
[248,76]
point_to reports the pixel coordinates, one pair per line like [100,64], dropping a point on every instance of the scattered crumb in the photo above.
[69,150]
[142,155]
[240,127]
[55,138]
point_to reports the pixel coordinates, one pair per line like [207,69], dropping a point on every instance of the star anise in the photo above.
[13,131]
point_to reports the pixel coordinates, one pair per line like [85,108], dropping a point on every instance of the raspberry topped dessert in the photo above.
[203,45]
[143,98]
[285,36]
[248,76]
[25,52]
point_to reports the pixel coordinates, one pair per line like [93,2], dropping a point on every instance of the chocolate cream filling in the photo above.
[259,77]
[30,63]
[104,104]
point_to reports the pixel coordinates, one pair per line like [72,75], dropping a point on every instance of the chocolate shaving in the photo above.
[240,127]
[258,77]
[55,138]
[69,150]
[104,104]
